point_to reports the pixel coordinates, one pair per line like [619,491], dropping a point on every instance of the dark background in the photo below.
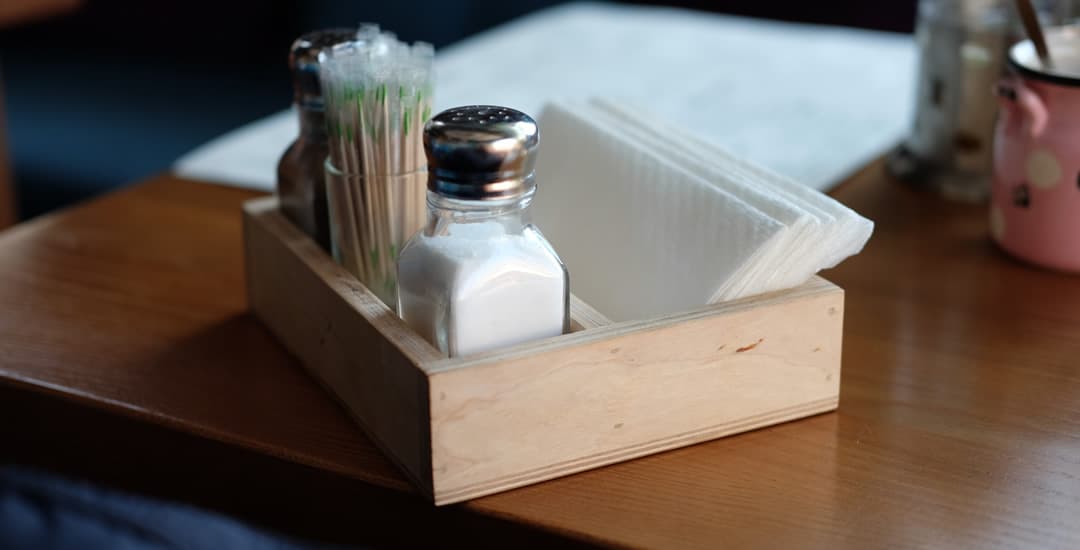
[117,90]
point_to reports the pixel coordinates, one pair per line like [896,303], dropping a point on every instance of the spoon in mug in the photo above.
[1034,31]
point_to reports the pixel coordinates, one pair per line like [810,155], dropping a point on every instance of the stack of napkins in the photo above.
[650,220]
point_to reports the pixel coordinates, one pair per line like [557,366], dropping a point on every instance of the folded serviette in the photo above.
[650,220]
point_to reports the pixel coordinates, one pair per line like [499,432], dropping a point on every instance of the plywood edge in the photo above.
[260,205]
[816,286]
[466,427]
[349,340]
[451,495]
[627,390]
[265,209]
[585,316]
[418,479]
[383,319]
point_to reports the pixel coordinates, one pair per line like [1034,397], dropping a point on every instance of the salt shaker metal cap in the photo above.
[304,64]
[481,152]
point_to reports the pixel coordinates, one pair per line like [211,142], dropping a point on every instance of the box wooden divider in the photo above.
[607,392]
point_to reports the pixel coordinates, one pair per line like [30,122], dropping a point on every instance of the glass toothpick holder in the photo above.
[372,216]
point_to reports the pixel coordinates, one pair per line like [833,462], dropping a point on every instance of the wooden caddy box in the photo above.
[608,392]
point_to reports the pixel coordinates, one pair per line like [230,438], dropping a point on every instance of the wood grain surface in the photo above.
[136,303]
[553,407]
[958,426]
[466,427]
[345,336]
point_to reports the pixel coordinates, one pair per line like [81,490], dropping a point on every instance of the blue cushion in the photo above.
[38,511]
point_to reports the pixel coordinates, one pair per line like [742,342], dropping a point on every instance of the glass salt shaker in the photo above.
[479,276]
[301,187]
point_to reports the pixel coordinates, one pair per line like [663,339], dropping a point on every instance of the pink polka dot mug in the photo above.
[1035,205]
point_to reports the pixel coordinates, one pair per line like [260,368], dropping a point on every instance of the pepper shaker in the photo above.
[301,186]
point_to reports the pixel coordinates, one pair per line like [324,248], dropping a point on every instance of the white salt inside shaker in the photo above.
[479,276]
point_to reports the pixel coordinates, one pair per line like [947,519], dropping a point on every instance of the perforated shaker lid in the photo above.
[481,152]
[304,63]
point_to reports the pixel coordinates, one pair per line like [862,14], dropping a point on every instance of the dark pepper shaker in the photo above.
[301,187]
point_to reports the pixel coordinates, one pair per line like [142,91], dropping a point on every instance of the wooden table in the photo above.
[126,347]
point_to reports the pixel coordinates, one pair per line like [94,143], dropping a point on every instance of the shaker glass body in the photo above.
[301,186]
[479,276]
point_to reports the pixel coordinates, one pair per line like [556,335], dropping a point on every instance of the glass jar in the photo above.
[962,45]
[300,184]
[961,54]
[371,218]
[480,276]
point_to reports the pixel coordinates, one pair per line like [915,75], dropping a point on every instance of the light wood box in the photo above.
[607,392]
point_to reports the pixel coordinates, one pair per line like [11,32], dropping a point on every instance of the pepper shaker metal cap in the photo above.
[481,152]
[304,64]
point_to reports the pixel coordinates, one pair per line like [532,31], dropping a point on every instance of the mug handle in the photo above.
[1013,94]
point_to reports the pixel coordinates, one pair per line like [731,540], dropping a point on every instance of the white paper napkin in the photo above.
[636,230]
[848,231]
[651,221]
[801,228]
